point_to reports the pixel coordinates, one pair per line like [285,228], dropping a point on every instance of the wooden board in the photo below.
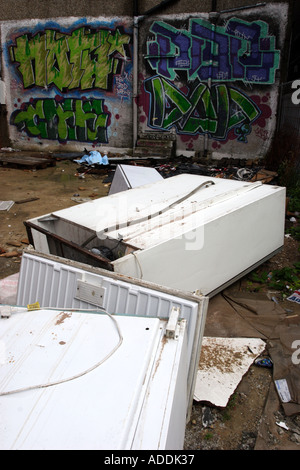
[25,160]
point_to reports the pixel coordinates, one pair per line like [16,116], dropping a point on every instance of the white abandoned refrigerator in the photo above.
[140,397]
[188,232]
[74,380]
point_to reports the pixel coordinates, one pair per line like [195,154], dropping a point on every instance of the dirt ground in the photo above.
[235,427]
[53,187]
[250,419]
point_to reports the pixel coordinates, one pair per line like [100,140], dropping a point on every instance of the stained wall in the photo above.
[208,81]
[68,82]
[213,80]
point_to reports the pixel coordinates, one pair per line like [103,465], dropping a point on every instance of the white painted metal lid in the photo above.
[95,404]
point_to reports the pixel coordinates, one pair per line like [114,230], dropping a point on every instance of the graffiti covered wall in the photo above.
[69,82]
[214,84]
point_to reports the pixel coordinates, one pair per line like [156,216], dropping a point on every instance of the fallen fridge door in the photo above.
[59,283]
[75,380]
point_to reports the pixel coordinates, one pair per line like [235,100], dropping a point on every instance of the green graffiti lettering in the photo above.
[31,119]
[67,119]
[82,59]
[169,103]
[31,55]
[205,110]
[206,119]
[59,70]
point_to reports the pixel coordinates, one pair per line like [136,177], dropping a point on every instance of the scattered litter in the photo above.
[8,149]
[207,417]
[225,168]
[223,363]
[263,362]
[281,424]
[93,158]
[295,297]
[283,390]
[244,174]
[265,176]
[34,306]
[6,205]
[80,200]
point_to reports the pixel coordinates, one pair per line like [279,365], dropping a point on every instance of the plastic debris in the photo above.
[244,174]
[93,158]
[281,424]
[6,205]
[263,362]
[295,297]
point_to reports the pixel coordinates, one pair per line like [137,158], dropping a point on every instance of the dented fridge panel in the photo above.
[189,232]
[78,380]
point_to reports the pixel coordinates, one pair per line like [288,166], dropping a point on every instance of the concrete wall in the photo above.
[69,82]
[25,9]
[101,81]
[212,80]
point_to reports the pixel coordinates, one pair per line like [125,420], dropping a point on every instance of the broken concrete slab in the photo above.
[223,363]
[252,314]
